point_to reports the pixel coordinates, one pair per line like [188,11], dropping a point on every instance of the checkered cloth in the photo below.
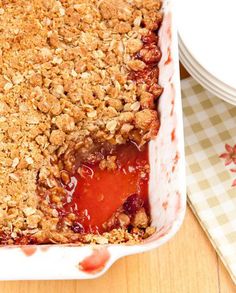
[210,130]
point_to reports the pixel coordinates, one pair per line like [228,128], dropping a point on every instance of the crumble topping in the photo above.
[73,73]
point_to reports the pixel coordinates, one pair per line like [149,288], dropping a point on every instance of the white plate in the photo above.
[203,81]
[207,28]
[224,87]
[208,82]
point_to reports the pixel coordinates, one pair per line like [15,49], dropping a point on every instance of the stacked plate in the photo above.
[207,44]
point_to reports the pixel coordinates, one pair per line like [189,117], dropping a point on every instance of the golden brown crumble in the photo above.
[64,83]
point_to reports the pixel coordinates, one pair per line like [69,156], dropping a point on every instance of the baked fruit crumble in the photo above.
[78,106]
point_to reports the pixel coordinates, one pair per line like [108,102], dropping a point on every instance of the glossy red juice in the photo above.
[95,194]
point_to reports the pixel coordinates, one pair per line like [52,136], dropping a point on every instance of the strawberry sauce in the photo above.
[93,195]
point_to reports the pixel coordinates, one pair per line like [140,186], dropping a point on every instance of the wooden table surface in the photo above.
[186,264]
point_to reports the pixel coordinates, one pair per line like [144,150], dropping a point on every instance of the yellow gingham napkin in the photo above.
[210,146]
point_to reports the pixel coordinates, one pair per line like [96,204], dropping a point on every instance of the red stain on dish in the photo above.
[169,59]
[161,235]
[175,162]
[178,202]
[173,135]
[169,21]
[172,95]
[29,250]
[44,248]
[165,41]
[163,231]
[96,261]
[166,30]
[165,205]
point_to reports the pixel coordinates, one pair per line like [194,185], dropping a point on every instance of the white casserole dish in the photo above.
[166,191]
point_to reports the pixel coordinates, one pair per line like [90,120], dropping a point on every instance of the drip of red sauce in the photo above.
[96,194]
[96,261]
[29,250]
